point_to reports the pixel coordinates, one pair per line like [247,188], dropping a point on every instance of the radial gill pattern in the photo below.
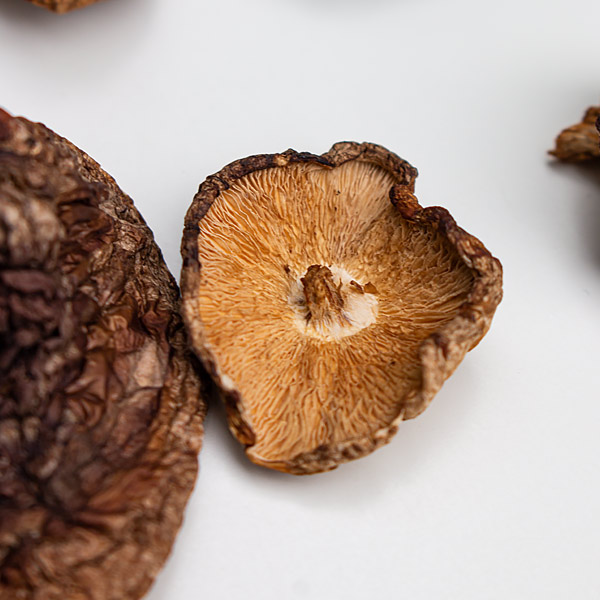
[311,377]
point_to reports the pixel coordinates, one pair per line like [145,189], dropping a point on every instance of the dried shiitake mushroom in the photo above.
[326,303]
[100,417]
[62,6]
[580,142]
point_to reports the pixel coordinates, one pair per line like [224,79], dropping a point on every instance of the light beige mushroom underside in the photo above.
[258,239]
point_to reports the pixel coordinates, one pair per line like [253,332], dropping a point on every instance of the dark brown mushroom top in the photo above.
[325,312]
[100,406]
[580,142]
[62,6]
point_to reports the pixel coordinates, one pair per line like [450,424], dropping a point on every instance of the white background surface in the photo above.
[493,493]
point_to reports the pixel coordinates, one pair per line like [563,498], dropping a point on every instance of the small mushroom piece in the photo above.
[100,404]
[62,6]
[580,142]
[326,303]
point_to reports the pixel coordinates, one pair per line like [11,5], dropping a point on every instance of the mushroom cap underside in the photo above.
[326,303]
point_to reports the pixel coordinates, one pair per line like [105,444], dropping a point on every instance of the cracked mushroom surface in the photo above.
[326,303]
[62,6]
[100,405]
[580,142]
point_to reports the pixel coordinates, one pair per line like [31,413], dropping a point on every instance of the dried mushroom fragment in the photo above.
[62,6]
[100,417]
[580,142]
[326,313]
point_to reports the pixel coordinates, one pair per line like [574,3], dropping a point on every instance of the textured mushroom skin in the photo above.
[100,405]
[440,353]
[580,142]
[62,6]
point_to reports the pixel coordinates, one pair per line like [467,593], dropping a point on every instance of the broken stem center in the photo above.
[324,300]
[330,304]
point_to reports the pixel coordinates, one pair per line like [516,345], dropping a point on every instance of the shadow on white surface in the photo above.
[69,58]
[590,212]
[587,205]
[352,5]
[21,11]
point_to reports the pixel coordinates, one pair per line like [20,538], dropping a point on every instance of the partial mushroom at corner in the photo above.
[62,6]
[101,406]
[580,142]
[327,304]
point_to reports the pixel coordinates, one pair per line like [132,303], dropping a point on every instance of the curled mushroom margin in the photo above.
[440,353]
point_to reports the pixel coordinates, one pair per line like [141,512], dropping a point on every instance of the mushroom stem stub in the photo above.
[324,300]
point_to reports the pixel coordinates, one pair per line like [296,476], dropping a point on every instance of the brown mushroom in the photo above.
[325,312]
[580,142]
[100,405]
[62,6]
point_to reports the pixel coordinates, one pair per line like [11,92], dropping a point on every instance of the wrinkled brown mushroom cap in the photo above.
[326,303]
[580,142]
[100,406]
[62,6]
